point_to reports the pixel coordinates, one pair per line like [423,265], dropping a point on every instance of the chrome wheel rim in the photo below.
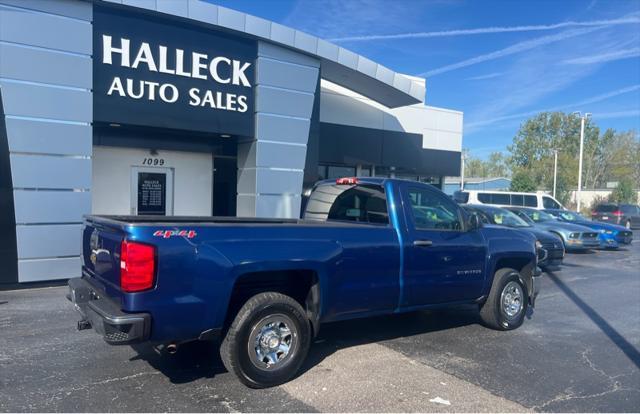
[272,341]
[511,300]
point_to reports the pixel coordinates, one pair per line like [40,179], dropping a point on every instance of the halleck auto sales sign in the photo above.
[149,71]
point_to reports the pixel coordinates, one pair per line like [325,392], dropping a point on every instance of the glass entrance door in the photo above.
[151,191]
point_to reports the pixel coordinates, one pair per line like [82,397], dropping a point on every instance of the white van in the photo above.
[538,200]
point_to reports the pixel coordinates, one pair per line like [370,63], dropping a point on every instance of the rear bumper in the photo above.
[105,316]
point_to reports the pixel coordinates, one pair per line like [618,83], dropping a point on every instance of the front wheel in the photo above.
[267,341]
[507,303]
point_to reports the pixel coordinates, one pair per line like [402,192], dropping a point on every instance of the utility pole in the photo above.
[555,170]
[582,121]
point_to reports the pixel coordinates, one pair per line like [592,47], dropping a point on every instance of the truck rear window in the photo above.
[361,203]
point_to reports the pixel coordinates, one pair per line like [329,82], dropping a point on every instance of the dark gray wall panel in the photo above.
[8,248]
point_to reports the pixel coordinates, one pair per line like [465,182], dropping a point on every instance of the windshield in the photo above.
[505,218]
[538,216]
[569,216]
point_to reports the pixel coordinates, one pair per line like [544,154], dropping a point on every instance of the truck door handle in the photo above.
[422,243]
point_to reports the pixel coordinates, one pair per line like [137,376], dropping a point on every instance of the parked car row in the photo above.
[556,229]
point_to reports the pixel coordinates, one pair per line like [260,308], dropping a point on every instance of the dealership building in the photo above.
[181,107]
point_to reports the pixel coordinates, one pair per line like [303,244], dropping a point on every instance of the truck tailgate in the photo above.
[101,256]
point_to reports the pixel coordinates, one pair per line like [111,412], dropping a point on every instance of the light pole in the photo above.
[582,120]
[462,157]
[555,170]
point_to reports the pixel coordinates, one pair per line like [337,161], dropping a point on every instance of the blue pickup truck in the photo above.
[263,287]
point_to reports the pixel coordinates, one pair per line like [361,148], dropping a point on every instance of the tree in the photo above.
[624,192]
[495,166]
[607,156]
[522,182]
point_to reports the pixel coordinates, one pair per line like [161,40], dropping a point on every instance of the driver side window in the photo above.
[431,210]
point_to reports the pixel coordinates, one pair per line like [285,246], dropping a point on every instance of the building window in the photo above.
[340,171]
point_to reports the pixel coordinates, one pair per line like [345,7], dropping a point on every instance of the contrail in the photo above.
[510,50]
[606,57]
[489,30]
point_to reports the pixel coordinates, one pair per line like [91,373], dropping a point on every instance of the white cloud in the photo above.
[489,30]
[605,57]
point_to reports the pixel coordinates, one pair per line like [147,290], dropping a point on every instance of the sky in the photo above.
[499,62]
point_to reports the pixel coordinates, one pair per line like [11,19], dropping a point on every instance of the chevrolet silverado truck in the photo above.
[263,287]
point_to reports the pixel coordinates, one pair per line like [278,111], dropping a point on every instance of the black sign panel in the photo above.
[152,193]
[149,70]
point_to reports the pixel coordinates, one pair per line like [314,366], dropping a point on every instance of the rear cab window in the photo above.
[606,208]
[362,203]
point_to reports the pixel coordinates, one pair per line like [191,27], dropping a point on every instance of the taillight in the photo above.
[137,266]
[347,181]
[594,213]
[617,213]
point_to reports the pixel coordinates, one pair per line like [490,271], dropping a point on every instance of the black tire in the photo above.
[492,311]
[240,358]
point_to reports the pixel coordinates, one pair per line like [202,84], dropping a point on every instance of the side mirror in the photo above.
[474,223]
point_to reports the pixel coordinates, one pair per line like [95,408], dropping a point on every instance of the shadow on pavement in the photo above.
[625,346]
[201,359]
[194,360]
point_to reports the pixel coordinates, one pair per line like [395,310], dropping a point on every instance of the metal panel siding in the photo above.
[176,8]
[143,4]
[278,181]
[257,26]
[282,155]
[41,171]
[36,270]
[231,19]
[283,102]
[47,102]
[49,137]
[82,10]
[51,206]
[282,34]
[40,65]
[306,42]
[55,32]
[204,12]
[282,128]
[49,240]
[286,55]
[285,75]
[278,206]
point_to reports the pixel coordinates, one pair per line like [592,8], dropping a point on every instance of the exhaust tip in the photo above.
[172,348]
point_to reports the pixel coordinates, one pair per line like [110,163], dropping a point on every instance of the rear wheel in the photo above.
[268,340]
[507,303]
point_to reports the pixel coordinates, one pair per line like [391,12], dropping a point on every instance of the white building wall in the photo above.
[440,128]
[111,181]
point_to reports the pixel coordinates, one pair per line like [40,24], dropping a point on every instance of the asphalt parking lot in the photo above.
[578,352]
